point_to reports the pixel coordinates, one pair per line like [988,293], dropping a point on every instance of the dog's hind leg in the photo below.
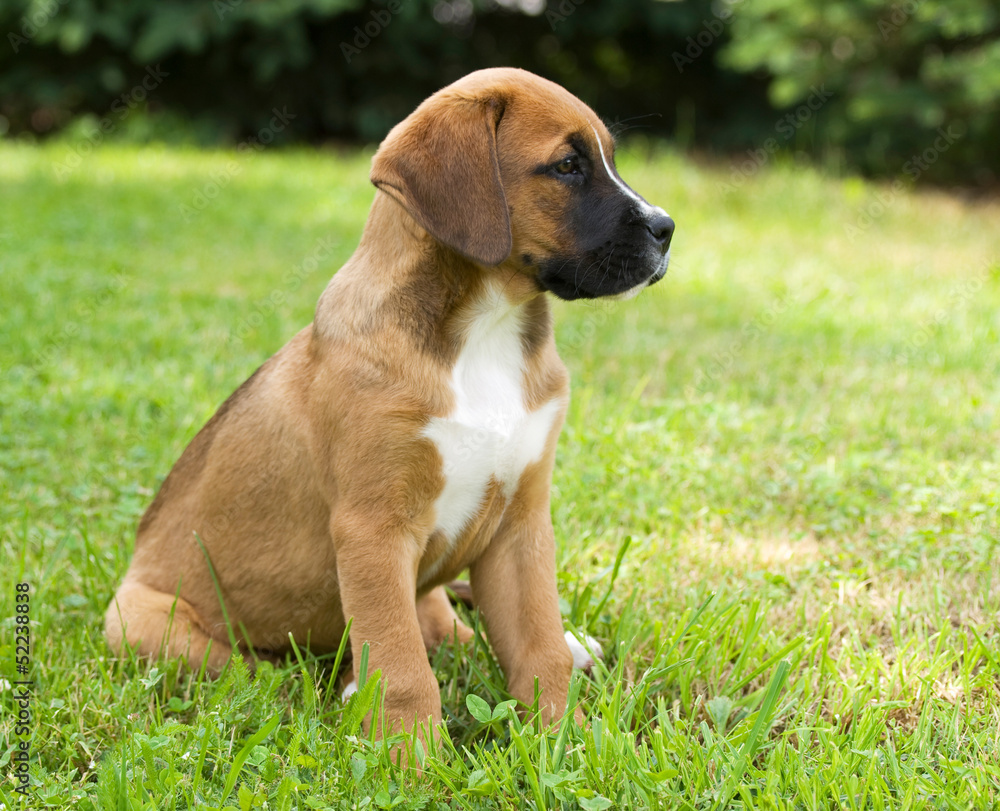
[154,624]
[438,620]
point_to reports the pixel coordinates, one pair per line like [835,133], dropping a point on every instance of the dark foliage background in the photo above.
[715,74]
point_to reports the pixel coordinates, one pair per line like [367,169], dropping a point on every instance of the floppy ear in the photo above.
[440,163]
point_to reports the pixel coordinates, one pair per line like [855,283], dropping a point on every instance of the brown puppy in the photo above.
[409,432]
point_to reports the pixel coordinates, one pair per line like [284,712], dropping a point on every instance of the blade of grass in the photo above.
[529,769]
[218,593]
[752,743]
[244,753]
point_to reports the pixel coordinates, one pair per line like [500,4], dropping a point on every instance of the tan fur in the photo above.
[312,489]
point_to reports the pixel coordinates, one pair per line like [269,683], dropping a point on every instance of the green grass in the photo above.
[793,442]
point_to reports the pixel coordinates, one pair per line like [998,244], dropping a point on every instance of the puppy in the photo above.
[409,432]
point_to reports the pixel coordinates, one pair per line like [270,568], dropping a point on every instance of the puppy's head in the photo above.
[509,169]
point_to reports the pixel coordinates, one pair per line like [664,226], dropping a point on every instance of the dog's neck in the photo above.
[427,288]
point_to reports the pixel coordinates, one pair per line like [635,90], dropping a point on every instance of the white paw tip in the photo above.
[349,691]
[584,651]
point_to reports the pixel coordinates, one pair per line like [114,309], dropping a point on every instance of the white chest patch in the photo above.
[489,435]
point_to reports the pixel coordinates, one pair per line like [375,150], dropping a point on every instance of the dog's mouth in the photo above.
[661,271]
[602,274]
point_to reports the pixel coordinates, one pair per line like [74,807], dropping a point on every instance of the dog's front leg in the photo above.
[514,586]
[378,590]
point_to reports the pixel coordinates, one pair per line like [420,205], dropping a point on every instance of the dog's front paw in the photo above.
[585,652]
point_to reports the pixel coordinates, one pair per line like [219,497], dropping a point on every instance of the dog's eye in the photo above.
[568,166]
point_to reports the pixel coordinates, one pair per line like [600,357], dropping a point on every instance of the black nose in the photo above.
[661,227]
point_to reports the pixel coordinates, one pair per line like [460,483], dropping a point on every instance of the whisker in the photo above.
[619,127]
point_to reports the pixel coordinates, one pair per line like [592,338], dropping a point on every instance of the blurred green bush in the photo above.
[913,86]
[346,68]
[862,83]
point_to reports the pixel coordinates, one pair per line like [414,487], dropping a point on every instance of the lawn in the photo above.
[776,496]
